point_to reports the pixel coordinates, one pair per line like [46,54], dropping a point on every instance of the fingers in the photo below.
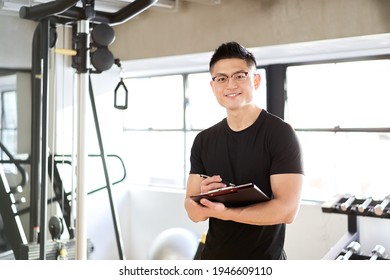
[211,179]
[205,202]
[211,183]
[214,207]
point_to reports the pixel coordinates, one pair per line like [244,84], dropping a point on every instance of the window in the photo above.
[8,123]
[153,126]
[340,112]
[164,115]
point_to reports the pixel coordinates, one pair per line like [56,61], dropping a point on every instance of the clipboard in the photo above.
[241,195]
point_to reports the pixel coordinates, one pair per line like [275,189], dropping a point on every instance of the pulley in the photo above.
[56,227]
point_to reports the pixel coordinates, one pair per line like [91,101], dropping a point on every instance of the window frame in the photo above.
[276,95]
[336,129]
[4,127]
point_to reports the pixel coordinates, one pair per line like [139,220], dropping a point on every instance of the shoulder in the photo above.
[280,134]
[213,130]
[209,137]
[274,123]
[272,119]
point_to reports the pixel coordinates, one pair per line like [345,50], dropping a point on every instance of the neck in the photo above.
[245,117]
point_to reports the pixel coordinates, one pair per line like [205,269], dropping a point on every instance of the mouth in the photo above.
[233,94]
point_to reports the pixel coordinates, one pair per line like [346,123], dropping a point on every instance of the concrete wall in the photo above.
[16,42]
[195,28]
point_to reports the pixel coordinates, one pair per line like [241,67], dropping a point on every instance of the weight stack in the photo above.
[31,251]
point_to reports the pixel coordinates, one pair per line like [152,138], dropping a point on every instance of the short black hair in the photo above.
[232,50]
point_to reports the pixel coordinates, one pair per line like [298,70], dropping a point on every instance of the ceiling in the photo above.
[12,7]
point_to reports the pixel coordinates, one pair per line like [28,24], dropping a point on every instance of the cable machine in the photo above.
[82,19]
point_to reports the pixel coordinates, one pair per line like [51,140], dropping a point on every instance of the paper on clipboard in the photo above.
[234,196]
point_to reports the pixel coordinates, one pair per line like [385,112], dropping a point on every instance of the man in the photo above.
[249,146]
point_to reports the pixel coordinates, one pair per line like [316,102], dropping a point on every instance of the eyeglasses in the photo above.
[237,77]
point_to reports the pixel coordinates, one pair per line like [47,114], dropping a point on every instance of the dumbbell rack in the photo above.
[353,207]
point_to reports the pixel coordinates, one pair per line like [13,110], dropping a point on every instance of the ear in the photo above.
[257,80]
[212,85]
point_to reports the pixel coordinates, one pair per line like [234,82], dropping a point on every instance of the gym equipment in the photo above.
[343,204]
[102,35]
[56,227]
[377,252]
[379,208]
[362,207]
[352,248]
[346,204]
[13,228]
[120,93]
[55,250]
[62,252]
[48,15]
[17,163]
[174,244]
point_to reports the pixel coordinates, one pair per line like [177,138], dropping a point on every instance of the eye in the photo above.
[221,79]
[240,76]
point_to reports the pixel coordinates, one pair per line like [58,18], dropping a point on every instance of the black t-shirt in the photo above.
[269,146]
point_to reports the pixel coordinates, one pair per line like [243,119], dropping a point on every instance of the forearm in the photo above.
[282,209]
[194,213]
[195,185]
[266,213]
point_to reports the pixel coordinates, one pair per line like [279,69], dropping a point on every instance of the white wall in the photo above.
[145,212]
[16,42]
[151,212]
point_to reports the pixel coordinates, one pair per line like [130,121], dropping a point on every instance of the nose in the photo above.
[231,82]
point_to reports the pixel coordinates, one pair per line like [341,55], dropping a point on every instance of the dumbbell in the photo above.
[377,252]
[379,208]
[352,248]
[345,205]
[362,207]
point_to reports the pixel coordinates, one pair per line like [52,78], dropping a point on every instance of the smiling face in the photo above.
[234,83]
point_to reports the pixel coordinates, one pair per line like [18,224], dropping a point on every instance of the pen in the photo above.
[223,182]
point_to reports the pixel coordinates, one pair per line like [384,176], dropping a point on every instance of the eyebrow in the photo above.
[223,74]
